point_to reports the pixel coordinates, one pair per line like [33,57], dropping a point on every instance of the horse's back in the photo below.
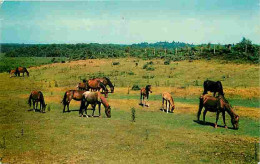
[36,95]
[91,97]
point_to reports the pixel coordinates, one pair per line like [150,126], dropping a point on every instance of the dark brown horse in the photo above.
[22,70]
[37,96]
[106,81]
[94,98]
[217,104]
[96,85]
[69,95]
[213,86]
[145,94]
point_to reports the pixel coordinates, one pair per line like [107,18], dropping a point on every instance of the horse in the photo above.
[12,72]
[94,98]
[37,96]
[217,104]
[213,86]
[21,70]
[96,85]
[106,81]
[167,97]
[145,94]
[69,95]
[82,86]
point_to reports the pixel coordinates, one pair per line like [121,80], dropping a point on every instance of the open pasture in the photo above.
[157,137]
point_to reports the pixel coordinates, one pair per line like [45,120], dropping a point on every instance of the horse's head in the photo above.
[44,107]
[148,88]
[173,107]
[235,121]
[108,111]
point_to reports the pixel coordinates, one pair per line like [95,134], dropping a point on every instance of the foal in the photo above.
[167,97]
[145,94]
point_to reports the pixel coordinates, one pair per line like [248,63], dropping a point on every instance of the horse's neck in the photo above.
[104,101]
[171,101]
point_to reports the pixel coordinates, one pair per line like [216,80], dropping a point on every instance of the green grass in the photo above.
[154,137]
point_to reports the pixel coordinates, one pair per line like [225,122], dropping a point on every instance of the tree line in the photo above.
[244,51]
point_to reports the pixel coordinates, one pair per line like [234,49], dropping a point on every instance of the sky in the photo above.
[130,21]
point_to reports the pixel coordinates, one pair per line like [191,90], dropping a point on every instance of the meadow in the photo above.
[154,136]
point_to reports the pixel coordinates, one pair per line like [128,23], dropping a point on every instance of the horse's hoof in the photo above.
[225,127]
[215,126]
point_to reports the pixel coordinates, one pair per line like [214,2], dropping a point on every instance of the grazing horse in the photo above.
[167,97]
[217,104]
[94,98]
[106,81]
[145,94]
[96,85]
[213,86]
[37,96]
[69,95]
[13,72]
[21,70]
[82,86]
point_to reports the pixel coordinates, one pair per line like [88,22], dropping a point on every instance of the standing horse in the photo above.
[69,95]
[13,72]
[96,85]
[37,96]
[217,104]
[167,97]
[21,70]
[145,94]
[106,81]
[213,86]
[94,98]
[82,86]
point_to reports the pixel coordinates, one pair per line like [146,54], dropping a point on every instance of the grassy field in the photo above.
[155,137]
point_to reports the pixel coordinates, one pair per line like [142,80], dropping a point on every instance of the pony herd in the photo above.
[89,92]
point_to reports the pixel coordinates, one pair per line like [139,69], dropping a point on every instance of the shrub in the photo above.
[135,87]
[167,62]
[115,63]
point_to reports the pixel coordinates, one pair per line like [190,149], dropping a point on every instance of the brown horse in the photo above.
[82,86]
[13,73]
[217,104]
[37,96]
[96,85]
[69,95]
[94,98]
[21,70]
[145,94]
[106,81]
[167,97]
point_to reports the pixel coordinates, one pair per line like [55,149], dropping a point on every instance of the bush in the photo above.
[135,87]
[115,63]
[167,62]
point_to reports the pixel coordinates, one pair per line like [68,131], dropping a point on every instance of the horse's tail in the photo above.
[29,100]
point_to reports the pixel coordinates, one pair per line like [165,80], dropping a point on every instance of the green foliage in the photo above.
[133,114]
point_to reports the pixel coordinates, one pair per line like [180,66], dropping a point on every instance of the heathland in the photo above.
[154,136]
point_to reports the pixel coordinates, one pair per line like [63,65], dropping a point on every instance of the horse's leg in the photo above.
[168,106]
[224,119]
[214,94]
[68,106]
[64,106]
[216,124]
[99,108]
[162,103]
[204,114]
[34,106]
[94,108]
[166,103]
[86,110]
[200,109]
